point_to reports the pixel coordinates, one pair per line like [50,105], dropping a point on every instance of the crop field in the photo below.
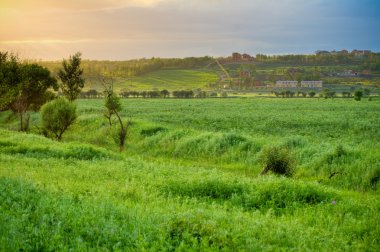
[189,178]
[170,79]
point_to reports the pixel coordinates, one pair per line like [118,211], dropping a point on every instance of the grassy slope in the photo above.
[166,79]
[72,195]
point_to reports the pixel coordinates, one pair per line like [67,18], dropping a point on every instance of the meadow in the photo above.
[189,178]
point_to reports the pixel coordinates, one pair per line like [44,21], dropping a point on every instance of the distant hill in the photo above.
[236,72]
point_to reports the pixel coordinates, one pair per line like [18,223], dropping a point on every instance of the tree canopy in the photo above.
[71,77]
[23,87]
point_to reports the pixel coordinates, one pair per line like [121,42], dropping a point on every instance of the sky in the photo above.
[128,29]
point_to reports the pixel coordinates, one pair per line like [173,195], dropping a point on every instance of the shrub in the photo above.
[312,94]
[57,116]
[277,160]
[358,95]
[152,131]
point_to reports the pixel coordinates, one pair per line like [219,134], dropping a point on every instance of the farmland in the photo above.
[188,178]
[164,79]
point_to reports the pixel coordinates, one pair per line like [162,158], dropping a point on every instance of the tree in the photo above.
[312,94]
[57,116]
[165,93]
[113,106]
[71,77]
[358,95]
[23,87]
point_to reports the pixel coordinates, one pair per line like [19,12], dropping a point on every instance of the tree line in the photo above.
[198,93]
[132,68]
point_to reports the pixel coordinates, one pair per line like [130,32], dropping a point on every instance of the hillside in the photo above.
[170,79]
[339,71]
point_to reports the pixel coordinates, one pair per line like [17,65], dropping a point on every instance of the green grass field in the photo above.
[189,178]
[170,79]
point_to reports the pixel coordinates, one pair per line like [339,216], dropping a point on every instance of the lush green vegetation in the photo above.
[189,178]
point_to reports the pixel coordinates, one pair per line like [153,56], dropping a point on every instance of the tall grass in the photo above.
[189,179]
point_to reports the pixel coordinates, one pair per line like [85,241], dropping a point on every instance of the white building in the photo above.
[311,84]
[286,84]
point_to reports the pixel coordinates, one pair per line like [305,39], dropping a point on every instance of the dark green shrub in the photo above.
[152,131]
[57,116]
[358,95]
[277,160]
[312,94]
[211,189]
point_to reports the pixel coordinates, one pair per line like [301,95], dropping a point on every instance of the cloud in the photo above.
[188,27]
[43,5]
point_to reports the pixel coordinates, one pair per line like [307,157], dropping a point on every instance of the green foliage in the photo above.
[312,94]
[277,160]
[57,116]
[23,87]
[71,77]
[113,106]
[152,131]
[358,95]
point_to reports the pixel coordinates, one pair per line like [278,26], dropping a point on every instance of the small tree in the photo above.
[57,116]
[71,77]
[358,95]
[113,106]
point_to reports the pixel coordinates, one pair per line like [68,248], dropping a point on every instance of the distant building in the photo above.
[236,56]
[360,53]
[348,73]
[242,57]
[311,84]
[287,84]
[295,84]
[247,57]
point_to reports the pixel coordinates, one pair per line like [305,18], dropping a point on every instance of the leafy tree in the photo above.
[23,87]
[57,116]
[71,77]
[358,95]
[113,106]
[165,93]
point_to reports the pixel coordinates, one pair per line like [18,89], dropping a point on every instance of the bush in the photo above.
[57,116]
[312,94]
[358,95]
[277,160]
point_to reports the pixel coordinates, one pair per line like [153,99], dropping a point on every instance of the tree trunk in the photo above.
[21,121]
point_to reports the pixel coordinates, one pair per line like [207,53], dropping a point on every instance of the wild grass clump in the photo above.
[277,160]
[35,146]
[278,194]
[210,144]
[373,178]
[213,189]
[185,231]
[152,131]
[337,154]
[294,142]
[281,194]
[34,220]
[86,152]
